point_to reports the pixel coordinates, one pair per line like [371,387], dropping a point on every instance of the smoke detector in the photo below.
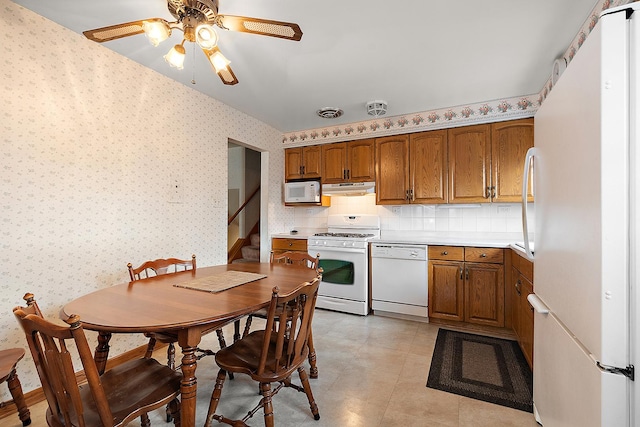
[330,112]
[377,108]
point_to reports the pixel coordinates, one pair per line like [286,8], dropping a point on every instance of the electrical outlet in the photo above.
[504,210]
[396,210]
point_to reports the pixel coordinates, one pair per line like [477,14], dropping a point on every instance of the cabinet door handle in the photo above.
[444,253]
[467,269]
[348,174]
[483,255]
[344,174]
[518,284]
[406,195]
[493,192]
[413,196]
[461,273]
[487,192]
[290,244]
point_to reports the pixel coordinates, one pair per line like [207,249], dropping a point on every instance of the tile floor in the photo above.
[373,372]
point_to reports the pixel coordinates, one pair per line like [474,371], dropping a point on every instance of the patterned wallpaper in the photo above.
[497,110]
[90,141]
[86,166]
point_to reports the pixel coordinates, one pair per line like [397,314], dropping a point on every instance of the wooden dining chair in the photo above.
[272,355]
[169,266]
[9,359]
[113,399]
[291,258]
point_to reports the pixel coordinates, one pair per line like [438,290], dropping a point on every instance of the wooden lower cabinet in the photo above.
[484,294]
[467,284]
[446,292]
[283,244]
[522,311]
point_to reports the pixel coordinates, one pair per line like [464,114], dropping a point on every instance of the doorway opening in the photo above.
[244,203]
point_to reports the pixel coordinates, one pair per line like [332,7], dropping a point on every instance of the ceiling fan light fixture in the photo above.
[218,61]
[176,55]
[206,36]
[156,31]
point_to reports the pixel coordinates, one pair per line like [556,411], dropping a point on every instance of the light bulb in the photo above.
[218,61]
[206,36]
[156,31]
[175,57]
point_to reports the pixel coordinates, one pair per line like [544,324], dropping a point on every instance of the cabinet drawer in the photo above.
[522,264]
[447,253]
[284,244]
[492,255]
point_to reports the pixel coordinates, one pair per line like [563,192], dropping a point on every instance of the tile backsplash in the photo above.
[483,218]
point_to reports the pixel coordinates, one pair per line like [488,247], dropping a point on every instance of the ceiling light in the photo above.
[156,31]
[218,61]
[206,36]
[377,108]
[176,55]
[330,112]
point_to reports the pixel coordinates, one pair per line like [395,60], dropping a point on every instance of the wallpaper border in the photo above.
[483,112]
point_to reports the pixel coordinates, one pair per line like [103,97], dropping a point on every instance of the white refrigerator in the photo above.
[586,166]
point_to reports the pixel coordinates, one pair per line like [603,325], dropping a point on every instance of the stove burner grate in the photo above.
[344,235]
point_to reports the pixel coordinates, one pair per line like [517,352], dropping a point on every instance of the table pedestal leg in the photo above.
[188,341]
[102,351]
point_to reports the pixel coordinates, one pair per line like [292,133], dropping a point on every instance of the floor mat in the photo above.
[484,368]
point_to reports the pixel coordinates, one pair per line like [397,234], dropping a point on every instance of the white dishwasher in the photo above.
[399,278]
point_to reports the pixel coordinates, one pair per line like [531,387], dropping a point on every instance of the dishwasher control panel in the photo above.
[396,251]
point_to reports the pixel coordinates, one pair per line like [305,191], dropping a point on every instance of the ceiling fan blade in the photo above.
[264,27]
[228,77]
[118,31]
[220,65]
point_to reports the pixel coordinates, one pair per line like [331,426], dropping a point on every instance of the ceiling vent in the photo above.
[377,108]
[329,112]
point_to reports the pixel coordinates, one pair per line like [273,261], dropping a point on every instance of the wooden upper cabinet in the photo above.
[361,160]
[392,170]
[509,144]
[302,162]
[412,169]
[334,167]
[348,162]
[468,164]
[428,167]
[469,150]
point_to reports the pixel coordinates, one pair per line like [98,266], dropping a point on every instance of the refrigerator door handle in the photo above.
[537,304]
[628,372]
[525,189]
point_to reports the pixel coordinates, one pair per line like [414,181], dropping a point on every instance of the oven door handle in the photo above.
[316,249]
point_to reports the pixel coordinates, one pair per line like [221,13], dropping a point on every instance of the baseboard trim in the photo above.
[33,397]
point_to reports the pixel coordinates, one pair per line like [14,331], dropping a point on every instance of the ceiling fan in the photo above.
[196,19]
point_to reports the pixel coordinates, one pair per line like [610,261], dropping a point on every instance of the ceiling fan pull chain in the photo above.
[193,76]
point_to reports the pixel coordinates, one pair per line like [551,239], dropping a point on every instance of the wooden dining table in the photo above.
[159,304]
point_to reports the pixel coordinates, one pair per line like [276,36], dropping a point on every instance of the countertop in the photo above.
[484,240]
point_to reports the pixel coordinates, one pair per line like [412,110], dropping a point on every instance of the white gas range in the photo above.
[344,258]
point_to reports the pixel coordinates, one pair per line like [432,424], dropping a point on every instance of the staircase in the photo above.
[250,252]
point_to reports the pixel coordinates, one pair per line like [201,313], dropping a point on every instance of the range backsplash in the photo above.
[482,218]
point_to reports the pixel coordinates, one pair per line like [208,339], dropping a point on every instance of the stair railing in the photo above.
[246,202]
[236,249]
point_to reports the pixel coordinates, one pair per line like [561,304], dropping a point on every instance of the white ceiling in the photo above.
[415,54]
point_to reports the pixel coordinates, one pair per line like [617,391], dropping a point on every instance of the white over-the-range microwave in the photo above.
[302,192]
